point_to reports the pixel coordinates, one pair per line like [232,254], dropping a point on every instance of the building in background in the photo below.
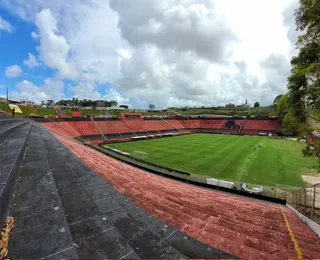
[151,106]
[230,105]
[245,105]
[50,102]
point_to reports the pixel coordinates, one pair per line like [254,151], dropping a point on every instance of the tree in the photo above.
[311,150]
[290,124]
[276,100]
[113,103]
[257,104]
[308,19]
[282,106]
[304,81]
[124,106]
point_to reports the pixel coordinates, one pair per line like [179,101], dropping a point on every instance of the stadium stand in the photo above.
[213,124]
[62,127]
[95,129]
[76,113]
[174,123]
[243,123]
[232,124]
[64,210]
[133,125]
[112,127]
[70,201]
[191,123]
[85,127]
[157,125]
[259,124]
[8,126]
[13,138]
[61,112]
[252,230]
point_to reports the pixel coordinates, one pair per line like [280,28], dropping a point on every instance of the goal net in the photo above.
[140,155]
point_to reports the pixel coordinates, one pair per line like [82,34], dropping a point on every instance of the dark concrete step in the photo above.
[41,230]
[11,156]
[6,124]
[5,116]
[8,128]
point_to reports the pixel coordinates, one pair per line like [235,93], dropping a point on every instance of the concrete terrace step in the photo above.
[105,223]
[5,116]
[244,227]
[11,155]
[41,230]
[6,124]
[8,127]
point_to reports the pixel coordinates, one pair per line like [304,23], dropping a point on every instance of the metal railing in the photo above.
[307,201]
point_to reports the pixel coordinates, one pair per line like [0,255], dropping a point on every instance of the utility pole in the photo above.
[7,96]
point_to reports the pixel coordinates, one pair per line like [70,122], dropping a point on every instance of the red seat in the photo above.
[264,124]
[76,113]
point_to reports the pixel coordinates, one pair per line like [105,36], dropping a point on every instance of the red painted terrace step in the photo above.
[244,227]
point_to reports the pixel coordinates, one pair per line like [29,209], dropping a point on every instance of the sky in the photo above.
[167,53]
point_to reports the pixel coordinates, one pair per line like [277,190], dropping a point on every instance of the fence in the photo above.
[306,201]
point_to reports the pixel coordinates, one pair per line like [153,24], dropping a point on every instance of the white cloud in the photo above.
[54,49]
[180,25]
[85,90]
[5,25]
[13,71]
[168,52]
[2,86]
[31,62]
[182,75]
[34,35]
[50,89]
[113,94]
[169,78]
[289,23]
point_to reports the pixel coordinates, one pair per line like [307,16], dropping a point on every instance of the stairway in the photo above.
[8,127]
[41,230]
[98,128]
[242,125]
[177,129]
[61,112]
[128,127]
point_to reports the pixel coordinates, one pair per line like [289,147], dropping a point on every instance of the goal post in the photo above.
[140,155]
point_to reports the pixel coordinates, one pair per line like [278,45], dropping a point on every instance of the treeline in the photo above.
[88,103]
[303,97]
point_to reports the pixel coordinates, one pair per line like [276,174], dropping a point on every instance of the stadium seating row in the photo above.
[261,125]
[249,230]
[76,113]
[89,127]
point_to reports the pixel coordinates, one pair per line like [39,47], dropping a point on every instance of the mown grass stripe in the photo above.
[230,157]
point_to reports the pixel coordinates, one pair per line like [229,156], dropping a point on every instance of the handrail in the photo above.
[98,128]
[307,201]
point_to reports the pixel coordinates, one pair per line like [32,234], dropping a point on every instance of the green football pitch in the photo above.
[229,157]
